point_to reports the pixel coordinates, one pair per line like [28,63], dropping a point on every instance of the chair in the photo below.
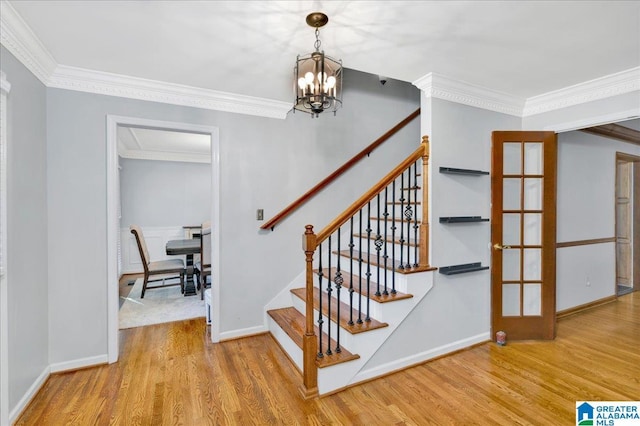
[204,269]
[163,267]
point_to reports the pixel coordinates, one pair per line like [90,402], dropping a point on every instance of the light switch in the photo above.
[260,214]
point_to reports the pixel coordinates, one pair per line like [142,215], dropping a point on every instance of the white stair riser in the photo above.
[289,346]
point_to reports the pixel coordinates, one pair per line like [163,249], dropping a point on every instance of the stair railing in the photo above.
[271,223]
[400,242]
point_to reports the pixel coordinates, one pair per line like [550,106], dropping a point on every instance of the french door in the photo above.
[523,234]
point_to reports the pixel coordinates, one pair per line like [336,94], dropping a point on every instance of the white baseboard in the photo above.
[419,358]
[28,396]
[79,363]
[243,332]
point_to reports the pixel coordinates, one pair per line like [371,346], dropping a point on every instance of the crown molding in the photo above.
[441,87]
[163,156]
[592,90]
[20,40]
[83,80]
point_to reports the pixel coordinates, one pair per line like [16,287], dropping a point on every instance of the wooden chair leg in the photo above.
[203,286]
[144,285]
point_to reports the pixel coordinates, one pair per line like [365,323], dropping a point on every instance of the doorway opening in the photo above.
[114,215]
[627,210]
[165,189]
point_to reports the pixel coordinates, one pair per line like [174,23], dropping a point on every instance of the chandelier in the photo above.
[318,77]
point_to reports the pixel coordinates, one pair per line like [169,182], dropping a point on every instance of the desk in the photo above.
[188,248]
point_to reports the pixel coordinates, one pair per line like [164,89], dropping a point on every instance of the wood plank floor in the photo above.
[172,374]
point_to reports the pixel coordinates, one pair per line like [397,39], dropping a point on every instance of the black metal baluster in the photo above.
[386,239]
[351,290]
[367,318]
[360,271]
[328,352]
[416,225]
[408,214]
[393,239]
[401,265]
[338,280]
[378,244]
[320,320]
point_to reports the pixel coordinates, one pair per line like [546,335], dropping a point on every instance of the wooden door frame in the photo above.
[635,202]
[548,237]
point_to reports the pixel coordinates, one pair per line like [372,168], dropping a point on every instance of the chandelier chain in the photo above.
[317,43]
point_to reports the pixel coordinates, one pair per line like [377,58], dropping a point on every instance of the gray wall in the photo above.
[28,344]
[264,163]
[586,210]
[164,193]
[458,307]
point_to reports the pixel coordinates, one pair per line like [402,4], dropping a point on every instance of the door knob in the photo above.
[499,246]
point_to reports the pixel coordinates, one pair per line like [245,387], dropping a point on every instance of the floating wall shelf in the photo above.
[461,269]
[455,171]
[462,219]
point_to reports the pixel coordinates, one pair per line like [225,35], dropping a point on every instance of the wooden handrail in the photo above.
[369,195]
[271,223]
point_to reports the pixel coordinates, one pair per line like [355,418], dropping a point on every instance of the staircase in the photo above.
[365,273]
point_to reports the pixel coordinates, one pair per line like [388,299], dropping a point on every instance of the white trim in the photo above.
[604,87]
[243,332]
[21,41]
[613,117]
[215,236]
[438,86]
[419,358]
[113,228]
[79,363]
[5,87]
[84,80]
[29,394]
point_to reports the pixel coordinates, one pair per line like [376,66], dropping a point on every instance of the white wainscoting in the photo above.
[156,239]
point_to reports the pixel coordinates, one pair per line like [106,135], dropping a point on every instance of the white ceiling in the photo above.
[153,144]
[521,48]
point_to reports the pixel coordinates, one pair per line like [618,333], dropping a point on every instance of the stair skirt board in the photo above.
[363,344]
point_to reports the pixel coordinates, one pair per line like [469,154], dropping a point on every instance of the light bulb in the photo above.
[322,77]
[331,81]
[309,77]
[302,83]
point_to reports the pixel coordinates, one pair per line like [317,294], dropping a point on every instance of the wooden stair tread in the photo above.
[372,261]
[293,323]
[383,298]
[389,240]
[356,328]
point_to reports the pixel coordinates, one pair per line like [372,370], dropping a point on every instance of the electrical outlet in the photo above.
[260,214]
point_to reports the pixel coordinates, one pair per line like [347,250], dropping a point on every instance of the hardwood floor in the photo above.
[173,374]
